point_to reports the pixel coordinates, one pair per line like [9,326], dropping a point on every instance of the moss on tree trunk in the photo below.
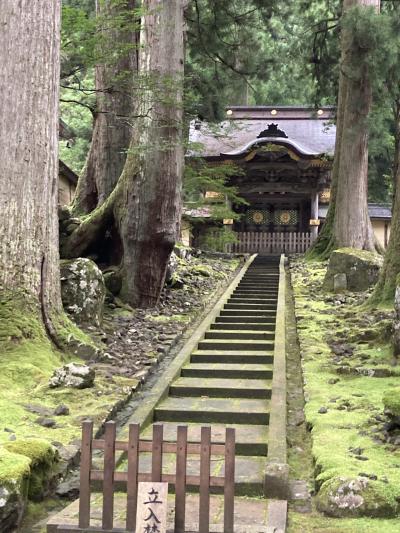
[347,223]
[112,127]
[145,205]
[386,286]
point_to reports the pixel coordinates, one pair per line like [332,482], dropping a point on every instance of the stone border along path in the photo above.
[225,375]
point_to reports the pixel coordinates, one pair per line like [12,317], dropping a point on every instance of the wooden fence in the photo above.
[279,242]
[157,446]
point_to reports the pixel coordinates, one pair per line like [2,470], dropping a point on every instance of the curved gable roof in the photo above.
[308,133]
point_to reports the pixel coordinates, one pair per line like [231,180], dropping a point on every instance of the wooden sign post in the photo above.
[152,505]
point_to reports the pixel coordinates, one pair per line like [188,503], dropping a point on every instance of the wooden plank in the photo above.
[157,450]
[229,489]
[84,483]
[132,477]
[180,483]
[122,477]
[204,510]
[168,447]
[107,518]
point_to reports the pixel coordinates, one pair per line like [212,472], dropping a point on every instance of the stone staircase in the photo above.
[228,380]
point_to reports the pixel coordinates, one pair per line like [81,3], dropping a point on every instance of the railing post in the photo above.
[180,479]
[132,483]
[108,480]
[205,455]
[84,483]
[229,488]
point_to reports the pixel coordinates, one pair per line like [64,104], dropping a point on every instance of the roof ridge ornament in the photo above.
[272,131]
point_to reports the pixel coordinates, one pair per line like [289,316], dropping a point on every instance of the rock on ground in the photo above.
[73,375]
[83,290]
[360,267]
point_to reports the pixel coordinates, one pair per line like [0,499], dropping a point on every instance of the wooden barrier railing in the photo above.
[182,448]
[279,242]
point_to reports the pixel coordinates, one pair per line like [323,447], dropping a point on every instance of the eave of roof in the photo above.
[375,211]
[308,133]
[67,172]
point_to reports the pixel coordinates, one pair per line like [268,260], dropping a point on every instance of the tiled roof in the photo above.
[310,133]
[383,211]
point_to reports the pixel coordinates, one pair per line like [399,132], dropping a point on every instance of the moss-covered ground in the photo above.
[27,361]
[344,346]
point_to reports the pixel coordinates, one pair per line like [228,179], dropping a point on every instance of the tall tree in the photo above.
[29,91]
[348,222]
[386,286]
[145,206]
[115,69]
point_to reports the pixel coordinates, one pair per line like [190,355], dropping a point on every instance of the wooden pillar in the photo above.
[314,213]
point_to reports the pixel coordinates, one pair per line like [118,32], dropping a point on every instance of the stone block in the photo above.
[276,481]
[339,282]
[360,267]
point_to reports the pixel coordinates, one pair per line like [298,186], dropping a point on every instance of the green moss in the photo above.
[201,270]
[172,318]
[391,401]
[43,459]
[316,523]
[18,321]
[352,402]
[14,468]
[361,254]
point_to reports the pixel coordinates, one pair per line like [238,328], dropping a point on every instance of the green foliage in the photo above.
[217,239]
[242,52]
[201,177]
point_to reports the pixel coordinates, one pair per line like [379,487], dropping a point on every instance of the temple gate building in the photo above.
[285,154]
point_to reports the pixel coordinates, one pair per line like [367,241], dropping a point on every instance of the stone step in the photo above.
[229,356]
[243,326]
[260,281]
[253,293]
[255,300]
[249,471]
[254,275]
[250,439]
[239,335]
[262,313]
[210,410]
[251,307]
[236,345]
[267,321]
[221,388]
[227,370]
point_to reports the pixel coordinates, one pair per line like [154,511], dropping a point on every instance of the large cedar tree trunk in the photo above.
[149,211]
[29,92]
[145,205]
[348,223]
[112,126]
[386,286]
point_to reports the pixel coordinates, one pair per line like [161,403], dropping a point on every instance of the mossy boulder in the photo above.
[342,497]
[83,291]
[14,483]
[73,375]
[391,402]
[43,463]
[113,281]
[27,470]
[360,267]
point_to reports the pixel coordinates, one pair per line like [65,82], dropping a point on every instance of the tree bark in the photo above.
[29,93]
[145,205]
[348,223]
[149,210]
[352,225]
[112,126]
[386,286]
